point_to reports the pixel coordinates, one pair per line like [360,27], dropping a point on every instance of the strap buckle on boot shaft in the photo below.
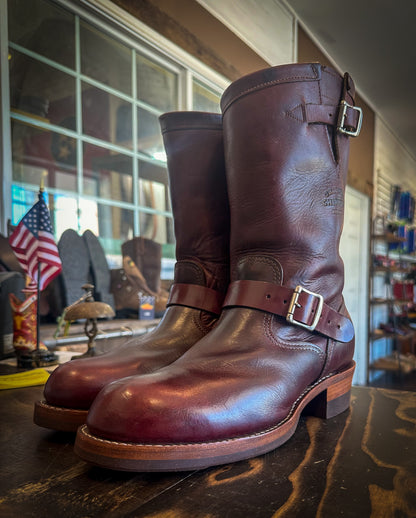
[294,303]
[347,129]
[297,306]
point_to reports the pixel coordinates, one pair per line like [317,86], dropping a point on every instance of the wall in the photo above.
[194,29]
[393,165]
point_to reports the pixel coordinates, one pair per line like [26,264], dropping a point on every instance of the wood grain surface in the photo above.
[358,464]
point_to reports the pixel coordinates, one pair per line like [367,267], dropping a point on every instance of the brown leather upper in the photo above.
[194,147]
[286,177]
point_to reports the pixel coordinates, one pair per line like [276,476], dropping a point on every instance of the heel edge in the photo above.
[334,399]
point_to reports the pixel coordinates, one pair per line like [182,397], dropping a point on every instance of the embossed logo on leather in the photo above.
[334,198]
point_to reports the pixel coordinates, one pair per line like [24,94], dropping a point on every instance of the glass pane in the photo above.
[43,27]
[107,175]
[106,116]
[150,139]
[64,213]
[105,59]
[36,152]
[205,99]
[22,201]
[156,85]
[153,187]
[41,91]
[156,227]
[115,225]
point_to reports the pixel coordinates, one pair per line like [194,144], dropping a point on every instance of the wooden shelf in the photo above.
[388,238]
[379,336]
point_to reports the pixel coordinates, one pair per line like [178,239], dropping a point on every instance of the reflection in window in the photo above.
[204,99]
[65,214]
[44,28]
[115,225]
[39,90]
[107,174]
[156,85]
[149,135]
[105,59]
[156,227]
[36,151]
[106,116]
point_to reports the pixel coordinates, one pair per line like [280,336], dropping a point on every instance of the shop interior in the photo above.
[83,85]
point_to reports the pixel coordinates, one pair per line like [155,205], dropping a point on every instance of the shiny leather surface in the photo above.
[194,147]
[198,297]
[286,180]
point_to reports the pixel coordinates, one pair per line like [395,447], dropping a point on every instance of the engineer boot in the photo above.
[194,147]
[147,256]
[284,338]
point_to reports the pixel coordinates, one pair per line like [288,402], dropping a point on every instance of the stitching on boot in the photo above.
[271,83]
[231,439]
[262,259]
[196,268]
[307,346]
[196,319]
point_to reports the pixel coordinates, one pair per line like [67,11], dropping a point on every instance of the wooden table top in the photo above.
[361,463]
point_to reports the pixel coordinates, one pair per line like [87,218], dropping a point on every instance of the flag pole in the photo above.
[41,190]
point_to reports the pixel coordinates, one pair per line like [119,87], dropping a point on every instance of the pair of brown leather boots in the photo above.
[256,327]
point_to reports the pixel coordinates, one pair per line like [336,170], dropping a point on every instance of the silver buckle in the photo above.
[295,304]
[341,118]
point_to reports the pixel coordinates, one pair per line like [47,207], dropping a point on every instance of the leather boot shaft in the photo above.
[287,156]
[195,155]
[286,170]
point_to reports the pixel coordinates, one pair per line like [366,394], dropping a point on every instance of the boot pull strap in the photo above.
[299,306]
[196,296]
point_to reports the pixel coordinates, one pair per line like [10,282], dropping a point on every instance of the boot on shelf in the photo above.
[147,255]
[126,285]
[195,154]
[285,339]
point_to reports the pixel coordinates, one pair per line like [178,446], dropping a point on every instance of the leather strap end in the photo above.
[299,307]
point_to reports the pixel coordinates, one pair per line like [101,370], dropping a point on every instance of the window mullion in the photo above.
[78,116]
[5,137]
[136,201]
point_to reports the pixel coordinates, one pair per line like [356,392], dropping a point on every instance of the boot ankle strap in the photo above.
[299,306]
[195,296]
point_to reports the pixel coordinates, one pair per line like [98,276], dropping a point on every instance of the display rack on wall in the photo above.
[392,312]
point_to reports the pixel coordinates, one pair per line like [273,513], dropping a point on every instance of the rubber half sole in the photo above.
[327,398]
[58,418]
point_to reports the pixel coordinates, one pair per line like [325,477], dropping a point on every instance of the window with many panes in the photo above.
[84,106]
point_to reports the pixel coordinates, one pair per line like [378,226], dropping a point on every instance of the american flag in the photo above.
[33,243]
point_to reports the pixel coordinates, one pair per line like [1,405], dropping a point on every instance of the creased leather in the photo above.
[286,181]
[194,147]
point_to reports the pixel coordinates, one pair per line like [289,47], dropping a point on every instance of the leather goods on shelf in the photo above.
[194,147]
[285,340]
[127,284]
[147,257]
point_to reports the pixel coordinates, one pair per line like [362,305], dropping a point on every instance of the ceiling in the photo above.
[374,40]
